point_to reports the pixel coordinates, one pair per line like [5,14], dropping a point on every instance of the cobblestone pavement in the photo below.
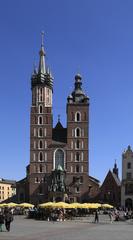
[80,229]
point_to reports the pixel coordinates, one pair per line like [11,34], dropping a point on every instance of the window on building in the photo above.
[40,120]
[77,169]
[77,144]
[129,165]
[40,144]
[77,116]
[36,180]
[40,168]
[40,109]
[77,132]
[59,159]
[40,132]
[77,156]
[40,157]
[77,189]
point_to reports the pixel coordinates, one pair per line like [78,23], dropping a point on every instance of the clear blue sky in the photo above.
[93,37]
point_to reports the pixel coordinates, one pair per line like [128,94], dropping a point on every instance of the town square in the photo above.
[66,168]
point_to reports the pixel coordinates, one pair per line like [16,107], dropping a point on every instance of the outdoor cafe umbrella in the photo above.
[46,205]
[60,205]
[26,205]
[12,204]
[107,205]
[3,205]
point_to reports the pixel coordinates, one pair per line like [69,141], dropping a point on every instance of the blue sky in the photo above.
[93,37]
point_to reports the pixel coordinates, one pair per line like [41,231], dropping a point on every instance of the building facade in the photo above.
[127,179]
[7,189]
[110,190]
[59,157]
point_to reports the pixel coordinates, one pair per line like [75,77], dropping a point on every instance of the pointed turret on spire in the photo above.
[42,66]
[42,75]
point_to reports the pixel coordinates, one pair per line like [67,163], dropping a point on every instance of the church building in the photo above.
[59,157]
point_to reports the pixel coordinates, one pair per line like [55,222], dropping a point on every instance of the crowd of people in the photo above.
[6,217]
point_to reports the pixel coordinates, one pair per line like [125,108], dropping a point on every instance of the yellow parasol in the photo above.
[3,205]
[26,205]
[12,204]
[46,205]
[60,205]
[106,205]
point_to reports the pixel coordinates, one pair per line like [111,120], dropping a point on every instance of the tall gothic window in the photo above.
[40,132]
[59,159]
[40,120]
[40,157]
[40,109]
[77,156]
[77,116]
[77,144]
[77,132]
[77,169]
[40,144]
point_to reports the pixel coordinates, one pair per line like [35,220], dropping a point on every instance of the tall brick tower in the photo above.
[40,128]
[59,158]
[77,140]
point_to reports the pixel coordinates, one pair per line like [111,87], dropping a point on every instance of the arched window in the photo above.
[59,159]
[40,168]
[77,144]
[40,157]
[40,144]
[77,168]
[40,120]
[77,132]
[77,117]
[77,156]
[36,180]
[40,132]
[40,109]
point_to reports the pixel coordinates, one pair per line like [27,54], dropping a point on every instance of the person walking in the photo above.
[96,216]
[1,220]
[8,220]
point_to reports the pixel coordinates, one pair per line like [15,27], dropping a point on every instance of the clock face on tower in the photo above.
[48,97]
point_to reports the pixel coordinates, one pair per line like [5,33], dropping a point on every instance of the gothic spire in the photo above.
[42,66]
